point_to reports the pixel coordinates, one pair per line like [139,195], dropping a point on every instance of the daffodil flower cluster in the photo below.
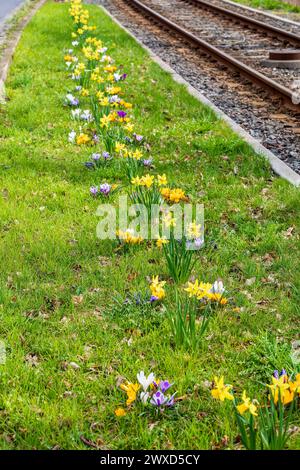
[146,190]
[157,289]
[283,389]
[263,425]
[148,391]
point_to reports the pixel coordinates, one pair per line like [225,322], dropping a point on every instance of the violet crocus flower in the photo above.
[96,156]
[105,188]
[138,137]
[171,400]
[158,399]
[121,114]
[123,76]
[147,162]
[198,242]
[96,138]
[276,374]
[153,298]
[105,155]
[164,385]
[93,190]
[71,100]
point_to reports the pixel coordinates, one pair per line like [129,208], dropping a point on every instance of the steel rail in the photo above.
[253,75]
[276,32]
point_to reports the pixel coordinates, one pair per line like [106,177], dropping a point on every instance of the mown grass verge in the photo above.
[275,5]
[58,281]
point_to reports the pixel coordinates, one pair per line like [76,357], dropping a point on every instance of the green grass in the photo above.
[271,5]
[49,253]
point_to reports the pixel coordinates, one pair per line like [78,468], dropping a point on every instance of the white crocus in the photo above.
[144,396]
[144,381]
[72,136]
[86,115]
[218,288]
[75,113]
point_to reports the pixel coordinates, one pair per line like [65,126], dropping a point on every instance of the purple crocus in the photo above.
[96,156]
[164,385]
[276,374]
[147,162]
[96,138]
[171,400]
[121,114]
[123,76]
[283,372]
[153,298]
[158,399]
[138,137]
[105,189]
[93,190]
[105,155]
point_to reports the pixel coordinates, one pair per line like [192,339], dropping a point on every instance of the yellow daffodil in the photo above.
[247,405]
[104,101]
[198,289]
[194,230]
[104,121]
[221,392]
[161,241]
[280,387]
[84,92]
[162,180]
[157,288]
[295,386]
[120,147]
[129,127]
[147,180]
[169,221]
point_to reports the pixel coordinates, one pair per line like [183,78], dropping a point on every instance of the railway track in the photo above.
[221,34]
[259,111]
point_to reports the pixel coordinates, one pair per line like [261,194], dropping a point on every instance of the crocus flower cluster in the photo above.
[104,189]
[127,237]
[207,292]
[148,391]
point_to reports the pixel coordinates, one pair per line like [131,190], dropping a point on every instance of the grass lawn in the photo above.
[58,280]
[271,5]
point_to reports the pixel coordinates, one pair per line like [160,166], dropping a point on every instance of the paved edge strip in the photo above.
[277,165]
[9,50]
[263,12]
